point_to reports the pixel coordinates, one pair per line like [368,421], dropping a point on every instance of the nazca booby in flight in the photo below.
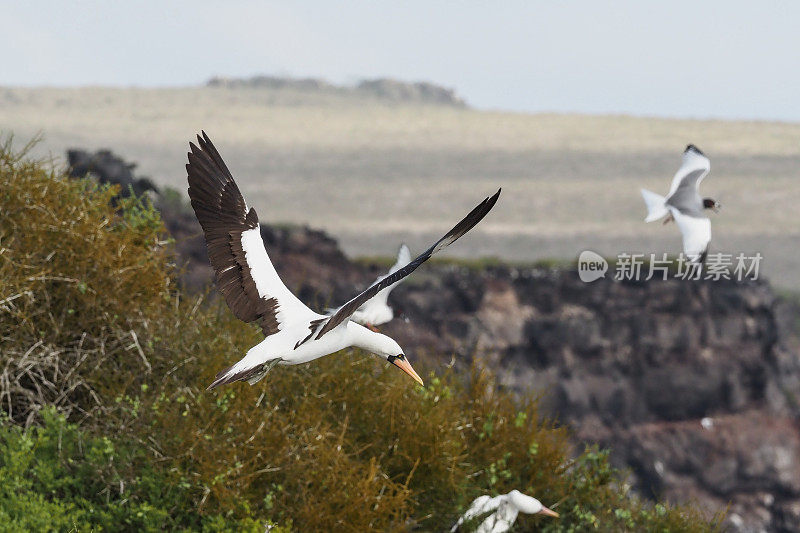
[254,292]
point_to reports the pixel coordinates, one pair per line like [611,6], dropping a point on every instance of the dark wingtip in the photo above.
[219,379]
[489,204]
[457,231]
[693,148]
[216,383]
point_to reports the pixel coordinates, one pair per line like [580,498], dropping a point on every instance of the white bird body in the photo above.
[245,276]
[504,508]
[280,347]
[684,204]
[373,315]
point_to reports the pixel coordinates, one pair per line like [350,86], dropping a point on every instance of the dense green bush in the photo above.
[91,325]
[57,477]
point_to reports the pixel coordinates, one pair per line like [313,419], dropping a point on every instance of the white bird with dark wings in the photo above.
[255,293]
[684,205]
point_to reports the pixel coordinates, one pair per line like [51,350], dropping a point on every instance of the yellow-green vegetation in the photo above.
[107,423]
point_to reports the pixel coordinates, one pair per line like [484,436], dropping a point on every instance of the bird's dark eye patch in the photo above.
[391,358]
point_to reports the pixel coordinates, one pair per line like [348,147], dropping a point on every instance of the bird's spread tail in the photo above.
[656,205]
[243,372]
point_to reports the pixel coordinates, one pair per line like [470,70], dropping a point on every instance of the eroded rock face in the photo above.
[694,386]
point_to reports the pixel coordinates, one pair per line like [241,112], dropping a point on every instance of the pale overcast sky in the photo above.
[729,59]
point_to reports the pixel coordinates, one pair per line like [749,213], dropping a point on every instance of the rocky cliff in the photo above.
[695,386]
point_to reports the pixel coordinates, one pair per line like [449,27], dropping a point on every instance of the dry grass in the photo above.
[371,173]
[66,315]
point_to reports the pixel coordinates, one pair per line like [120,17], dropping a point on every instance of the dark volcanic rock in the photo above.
[106,167]
[693,385]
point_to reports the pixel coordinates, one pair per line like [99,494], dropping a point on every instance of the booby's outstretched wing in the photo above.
[469,221]
[243,271]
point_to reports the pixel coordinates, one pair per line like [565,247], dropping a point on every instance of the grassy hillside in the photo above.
[106,423]
[371,173]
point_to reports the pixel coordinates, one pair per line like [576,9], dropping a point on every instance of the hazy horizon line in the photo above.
[468,105]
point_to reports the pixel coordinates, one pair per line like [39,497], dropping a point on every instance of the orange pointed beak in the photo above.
[548,512]
[402,363]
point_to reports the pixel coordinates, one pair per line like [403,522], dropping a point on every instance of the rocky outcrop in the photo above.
[106,167]
[387,89]
[401,91]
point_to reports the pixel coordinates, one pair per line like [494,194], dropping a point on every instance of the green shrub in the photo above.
[56,477]
[93,326]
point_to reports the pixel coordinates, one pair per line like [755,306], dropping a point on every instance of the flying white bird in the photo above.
[376,310]
[255,293]
[684,204]
[505,510]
